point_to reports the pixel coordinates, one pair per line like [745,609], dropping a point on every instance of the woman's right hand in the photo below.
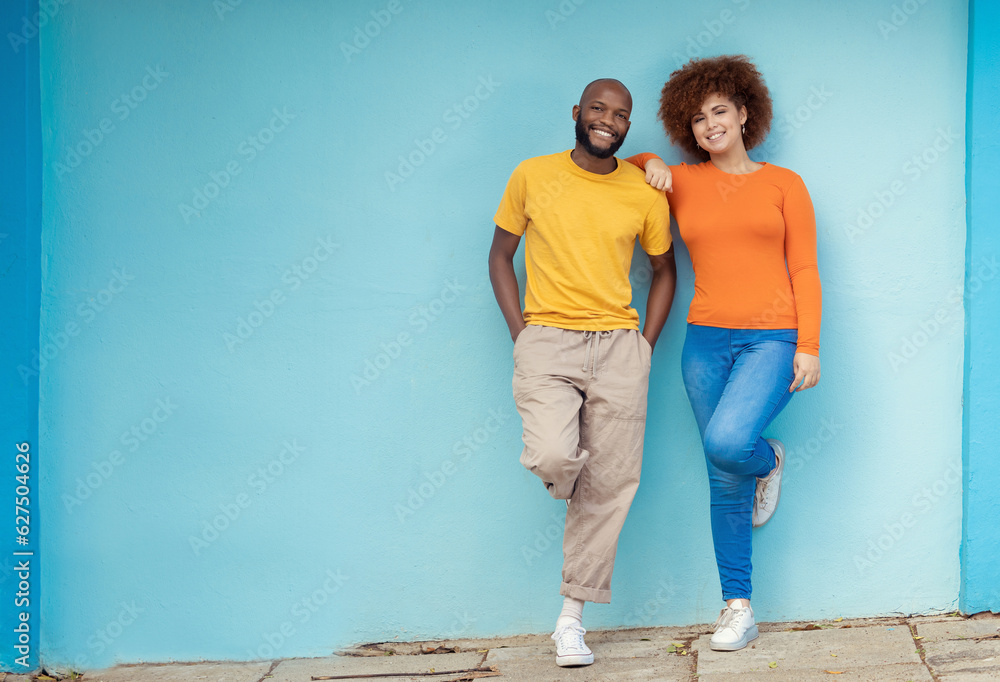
[658,175]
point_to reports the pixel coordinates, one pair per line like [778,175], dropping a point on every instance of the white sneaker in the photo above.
[734,629]
[765,500]
[570,647]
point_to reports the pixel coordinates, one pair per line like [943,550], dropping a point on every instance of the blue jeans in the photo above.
[737,381]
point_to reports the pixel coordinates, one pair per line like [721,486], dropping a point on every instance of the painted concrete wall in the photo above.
[283,422]
[20,226]
[981,549]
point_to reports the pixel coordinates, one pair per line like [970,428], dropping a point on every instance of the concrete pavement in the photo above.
[919,648]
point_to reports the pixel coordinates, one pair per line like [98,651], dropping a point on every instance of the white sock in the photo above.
[572,612]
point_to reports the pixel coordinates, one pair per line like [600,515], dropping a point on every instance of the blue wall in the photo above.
[981,547]
[282,422]
[20,226]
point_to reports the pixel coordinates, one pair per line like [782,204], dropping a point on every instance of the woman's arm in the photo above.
[657,172]
[800,255]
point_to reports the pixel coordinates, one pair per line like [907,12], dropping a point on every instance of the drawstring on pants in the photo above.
[590,336]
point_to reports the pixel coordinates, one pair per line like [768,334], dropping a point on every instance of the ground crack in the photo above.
[274,664]
[921,651]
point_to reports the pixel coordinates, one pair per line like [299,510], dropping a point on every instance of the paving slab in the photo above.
[857,653]
[601,650]
[966,650]
[959,629]
[302,669]
[643,658]
[903,672]
[182,672]
[604,669]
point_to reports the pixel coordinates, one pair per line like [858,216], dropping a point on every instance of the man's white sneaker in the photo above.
[570,647]
[734,629]
[765,500]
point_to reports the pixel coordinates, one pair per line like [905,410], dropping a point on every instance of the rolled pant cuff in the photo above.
[585,593]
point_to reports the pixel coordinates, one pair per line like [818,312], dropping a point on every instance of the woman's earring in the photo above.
[744,130]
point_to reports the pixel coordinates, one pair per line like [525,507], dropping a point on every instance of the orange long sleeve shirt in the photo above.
[752,240]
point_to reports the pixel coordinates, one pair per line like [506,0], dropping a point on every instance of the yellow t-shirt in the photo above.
[580,230]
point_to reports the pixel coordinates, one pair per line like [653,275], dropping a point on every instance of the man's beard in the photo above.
[584,139]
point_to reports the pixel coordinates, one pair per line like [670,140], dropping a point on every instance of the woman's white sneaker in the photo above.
[765,499]
[734,629]
[570,647]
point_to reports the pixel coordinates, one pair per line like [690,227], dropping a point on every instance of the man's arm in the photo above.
[661,294]
[505,282]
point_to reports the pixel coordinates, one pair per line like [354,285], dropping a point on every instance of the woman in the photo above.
[753,325]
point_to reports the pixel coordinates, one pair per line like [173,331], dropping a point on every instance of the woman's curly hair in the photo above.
[732,76]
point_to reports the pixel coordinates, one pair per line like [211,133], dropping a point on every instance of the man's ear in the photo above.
[576,111]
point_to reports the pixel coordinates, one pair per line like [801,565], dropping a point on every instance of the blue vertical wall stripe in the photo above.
[20,204]
[981,430]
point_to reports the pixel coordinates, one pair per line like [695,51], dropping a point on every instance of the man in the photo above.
[581,368]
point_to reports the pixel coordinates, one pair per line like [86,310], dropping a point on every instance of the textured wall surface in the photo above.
[282,419]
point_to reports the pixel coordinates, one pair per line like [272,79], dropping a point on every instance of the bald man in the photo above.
[581,367]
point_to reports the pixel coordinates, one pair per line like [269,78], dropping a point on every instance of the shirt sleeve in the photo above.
[800,255]
[511,214]
[655,238]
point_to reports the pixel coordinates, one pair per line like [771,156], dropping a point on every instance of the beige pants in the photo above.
[582,400]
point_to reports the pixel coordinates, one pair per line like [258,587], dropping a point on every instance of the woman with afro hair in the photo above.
[753,325]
